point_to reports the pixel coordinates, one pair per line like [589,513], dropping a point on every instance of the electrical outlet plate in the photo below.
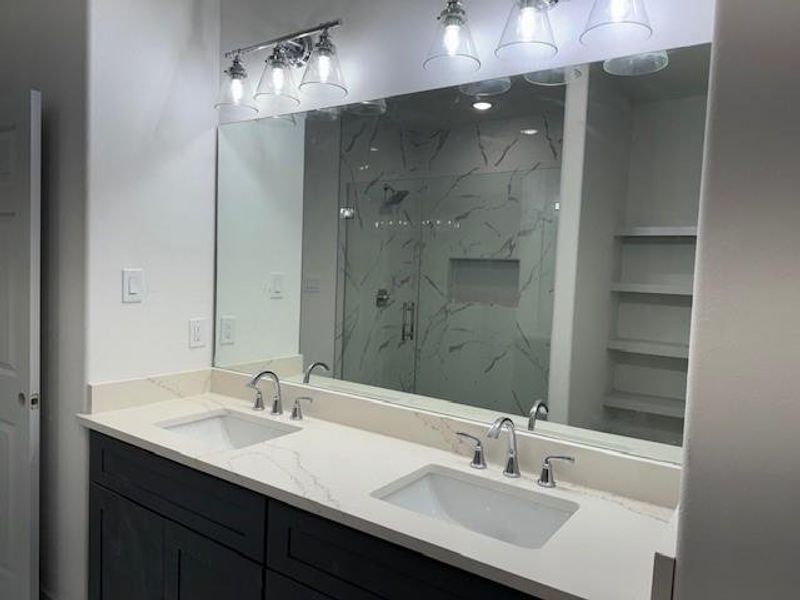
[227,331]
[197,333]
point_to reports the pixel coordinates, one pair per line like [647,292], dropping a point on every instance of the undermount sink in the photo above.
[225,430]
[510,514]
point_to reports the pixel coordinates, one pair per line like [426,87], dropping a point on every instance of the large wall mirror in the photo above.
[475,249]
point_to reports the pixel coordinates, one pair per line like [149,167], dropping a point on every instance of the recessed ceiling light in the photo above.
[529,131]
[482,105]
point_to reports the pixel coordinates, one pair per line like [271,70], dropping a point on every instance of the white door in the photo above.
[20,231]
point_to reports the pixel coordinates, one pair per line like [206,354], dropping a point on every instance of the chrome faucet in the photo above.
[478,458]
[277,402]
[547,477]
[540,410]
[512,463]
[310,369]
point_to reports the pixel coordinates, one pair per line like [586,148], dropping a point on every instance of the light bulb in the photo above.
[618,9]
[526,24]
[324,68]
[482,105]
[278,79]
[237,90]
[452,38]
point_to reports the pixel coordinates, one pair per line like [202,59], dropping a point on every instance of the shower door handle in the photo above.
[409,316]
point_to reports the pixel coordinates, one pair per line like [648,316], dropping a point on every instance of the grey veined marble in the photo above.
[424,199]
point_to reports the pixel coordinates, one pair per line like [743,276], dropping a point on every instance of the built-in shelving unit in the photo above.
[649,348]
[639,232]
[651,288]
[653,405]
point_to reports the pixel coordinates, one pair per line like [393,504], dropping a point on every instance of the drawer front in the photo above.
[349,565]
[283,588]
[226,513]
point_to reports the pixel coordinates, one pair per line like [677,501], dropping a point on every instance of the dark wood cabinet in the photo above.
[137,554]
[127,549]
[162,531]
[199,569]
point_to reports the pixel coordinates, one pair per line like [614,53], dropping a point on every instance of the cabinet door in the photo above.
[199,569]
[126,549]
[282,588]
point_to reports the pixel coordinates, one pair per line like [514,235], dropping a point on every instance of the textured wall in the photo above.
[741,489]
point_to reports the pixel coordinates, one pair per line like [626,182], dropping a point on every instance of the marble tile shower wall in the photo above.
[423,197]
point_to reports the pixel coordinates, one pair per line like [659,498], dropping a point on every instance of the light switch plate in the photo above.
[276,283]
[227,331]
[311,284]
[198,333]
[132,286]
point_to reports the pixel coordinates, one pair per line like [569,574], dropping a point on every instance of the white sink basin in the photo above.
[510,514]
[223,430]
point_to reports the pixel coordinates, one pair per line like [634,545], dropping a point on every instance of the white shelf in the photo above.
[650,348]
[647,232]
[654,405]
[651,288]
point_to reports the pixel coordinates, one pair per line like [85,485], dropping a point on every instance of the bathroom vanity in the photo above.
[159,529]
[199,496]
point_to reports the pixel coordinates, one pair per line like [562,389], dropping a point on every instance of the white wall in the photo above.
[153,79]
[260,233]
[42,45]
[383,43]
[605,176]
[739,529]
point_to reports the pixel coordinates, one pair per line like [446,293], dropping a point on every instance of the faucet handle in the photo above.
[478,458]
[297,409]
[547,476]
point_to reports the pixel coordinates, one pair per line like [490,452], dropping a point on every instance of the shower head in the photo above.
[393,197]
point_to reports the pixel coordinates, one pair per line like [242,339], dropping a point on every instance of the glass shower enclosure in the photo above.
[446,285]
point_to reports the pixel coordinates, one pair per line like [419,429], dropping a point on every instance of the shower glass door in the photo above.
[448,286]
[380,268]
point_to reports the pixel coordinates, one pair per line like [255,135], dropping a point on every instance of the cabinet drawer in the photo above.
[349,565]
[226,513]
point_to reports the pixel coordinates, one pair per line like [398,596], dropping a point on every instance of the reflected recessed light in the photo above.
[482,105]
[529,131]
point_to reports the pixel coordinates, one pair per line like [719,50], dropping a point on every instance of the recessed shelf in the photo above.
[651,288]
[654,405]
[649,348]
[658,232]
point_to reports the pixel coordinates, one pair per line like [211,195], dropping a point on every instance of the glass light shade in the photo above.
[528,34]
[235,95]
[615,22]
[277,91]
[638,64]
[323,80]
[452,52]
[554,77]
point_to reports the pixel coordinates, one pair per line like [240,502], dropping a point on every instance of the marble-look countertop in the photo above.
[603,552]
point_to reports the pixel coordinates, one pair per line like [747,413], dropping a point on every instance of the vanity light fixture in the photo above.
[615,22]
[646,63]
[453,49]
[277,88]
[528,34]
[235,89]
[323,78]
[482,105]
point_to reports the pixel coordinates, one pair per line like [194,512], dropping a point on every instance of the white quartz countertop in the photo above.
[603,552]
